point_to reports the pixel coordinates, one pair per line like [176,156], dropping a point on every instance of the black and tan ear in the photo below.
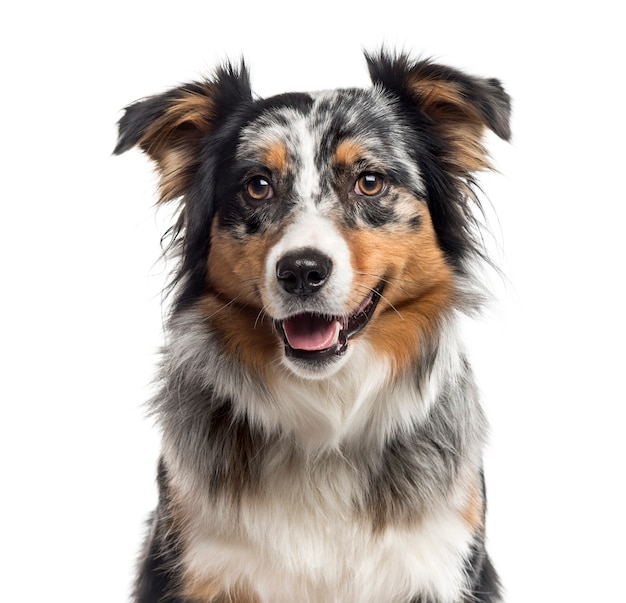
[171,127]
[456,106]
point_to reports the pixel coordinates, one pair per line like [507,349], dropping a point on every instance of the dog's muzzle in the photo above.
[316,336]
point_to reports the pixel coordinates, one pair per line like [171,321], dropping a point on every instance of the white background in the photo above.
[80,280]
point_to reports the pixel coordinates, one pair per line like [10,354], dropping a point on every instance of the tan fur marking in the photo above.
[172,139]
[213,591]
[348,152]
[418,290]
[246,332]
[473,512]
[173,166]
[236,272]
[192,109]
[276,158]
[456,119]
[236,268]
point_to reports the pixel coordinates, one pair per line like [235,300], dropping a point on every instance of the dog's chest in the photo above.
[302,540]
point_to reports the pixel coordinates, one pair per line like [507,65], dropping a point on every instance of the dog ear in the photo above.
[458,107]
[171,127]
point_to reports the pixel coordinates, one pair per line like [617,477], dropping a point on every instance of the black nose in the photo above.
[303,272]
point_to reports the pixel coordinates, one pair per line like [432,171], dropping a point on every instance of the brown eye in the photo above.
[259,189]
[369,184]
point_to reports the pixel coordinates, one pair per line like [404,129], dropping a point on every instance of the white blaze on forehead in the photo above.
[307,176]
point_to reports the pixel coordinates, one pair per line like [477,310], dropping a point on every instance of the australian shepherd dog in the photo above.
[321,429]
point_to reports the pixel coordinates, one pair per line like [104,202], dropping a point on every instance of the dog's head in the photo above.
[312,222]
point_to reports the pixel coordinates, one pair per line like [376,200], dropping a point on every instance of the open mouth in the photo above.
[315,337]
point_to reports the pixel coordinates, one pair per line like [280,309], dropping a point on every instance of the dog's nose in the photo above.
[303,272]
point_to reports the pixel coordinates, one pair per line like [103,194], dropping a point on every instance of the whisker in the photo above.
[274,362]
[382,297]
[389,281]
[390,305]
[223,307]
[260,317]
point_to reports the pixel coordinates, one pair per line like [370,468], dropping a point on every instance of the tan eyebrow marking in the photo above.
[348,152]
[276,157]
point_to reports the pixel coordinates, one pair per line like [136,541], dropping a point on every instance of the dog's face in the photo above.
[324,231]
[316,223]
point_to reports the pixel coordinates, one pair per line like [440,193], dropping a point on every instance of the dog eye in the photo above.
[259,188]
[369,184]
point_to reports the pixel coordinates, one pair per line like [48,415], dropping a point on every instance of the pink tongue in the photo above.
[310,332]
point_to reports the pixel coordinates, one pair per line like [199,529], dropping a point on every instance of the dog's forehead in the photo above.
[316,128]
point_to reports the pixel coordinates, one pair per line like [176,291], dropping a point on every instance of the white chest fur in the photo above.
[301,541]
[299,536]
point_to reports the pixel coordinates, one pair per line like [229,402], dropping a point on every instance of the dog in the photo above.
[321,429]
